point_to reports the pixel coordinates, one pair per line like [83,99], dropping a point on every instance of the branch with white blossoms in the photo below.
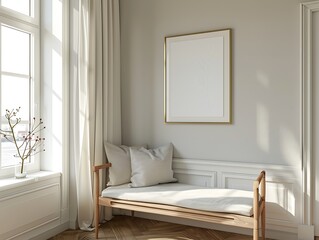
[31,144]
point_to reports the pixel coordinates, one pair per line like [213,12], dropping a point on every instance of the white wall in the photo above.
[54,93]
[266,78]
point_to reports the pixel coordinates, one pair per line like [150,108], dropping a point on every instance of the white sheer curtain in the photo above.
[96,115]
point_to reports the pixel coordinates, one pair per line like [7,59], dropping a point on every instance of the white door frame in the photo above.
[308,174]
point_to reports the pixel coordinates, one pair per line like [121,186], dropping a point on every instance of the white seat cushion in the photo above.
[188,196]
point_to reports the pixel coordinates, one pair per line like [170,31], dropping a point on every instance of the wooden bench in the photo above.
[255,222]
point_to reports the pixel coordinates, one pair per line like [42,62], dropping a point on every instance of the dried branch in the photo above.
[31,144]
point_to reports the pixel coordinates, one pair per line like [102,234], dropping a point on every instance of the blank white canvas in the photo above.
[195,78]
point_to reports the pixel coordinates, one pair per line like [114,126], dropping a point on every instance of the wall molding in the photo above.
[42,196]
[308,176]
[52,232]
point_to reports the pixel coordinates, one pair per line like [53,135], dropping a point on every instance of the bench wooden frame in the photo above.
[258,220]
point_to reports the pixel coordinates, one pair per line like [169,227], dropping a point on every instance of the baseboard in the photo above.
[52,232]
[306,232]
[73,224]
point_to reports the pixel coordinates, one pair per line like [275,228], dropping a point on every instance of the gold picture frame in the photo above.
[198,77]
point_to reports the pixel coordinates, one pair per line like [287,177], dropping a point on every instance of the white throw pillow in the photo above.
[151,167]
[120,171]
[119,156]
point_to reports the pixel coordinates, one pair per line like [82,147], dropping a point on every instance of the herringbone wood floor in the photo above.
[133,228]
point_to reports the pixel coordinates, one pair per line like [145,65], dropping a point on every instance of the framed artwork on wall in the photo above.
[198,77]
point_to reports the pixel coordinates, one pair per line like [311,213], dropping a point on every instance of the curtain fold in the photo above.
[96,96]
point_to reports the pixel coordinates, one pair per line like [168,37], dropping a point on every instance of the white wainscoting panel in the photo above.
[283,195]
[30,205]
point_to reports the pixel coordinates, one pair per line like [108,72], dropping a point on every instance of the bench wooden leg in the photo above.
[263,224]
[256,234]
[256,227]
[96,221]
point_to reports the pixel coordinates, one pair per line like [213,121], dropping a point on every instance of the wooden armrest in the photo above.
[97,176]
[262,175]
[259,189]
[103,166]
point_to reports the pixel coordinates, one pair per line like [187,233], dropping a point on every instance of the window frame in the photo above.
[29,25]
[34,19]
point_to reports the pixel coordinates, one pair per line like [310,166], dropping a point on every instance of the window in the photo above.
[19,72]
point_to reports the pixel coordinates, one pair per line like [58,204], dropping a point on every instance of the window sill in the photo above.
[9,183]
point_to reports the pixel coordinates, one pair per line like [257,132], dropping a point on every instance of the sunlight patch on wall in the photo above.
[262,122]
[262,79]
[52,75]
[57,19]
[291,205]
[57,73]
[290,146]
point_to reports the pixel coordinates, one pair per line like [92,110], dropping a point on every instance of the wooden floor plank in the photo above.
[133,228]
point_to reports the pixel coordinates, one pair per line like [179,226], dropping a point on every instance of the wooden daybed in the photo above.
[255,222]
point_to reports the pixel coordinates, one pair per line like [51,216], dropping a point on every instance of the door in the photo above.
[315,67]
